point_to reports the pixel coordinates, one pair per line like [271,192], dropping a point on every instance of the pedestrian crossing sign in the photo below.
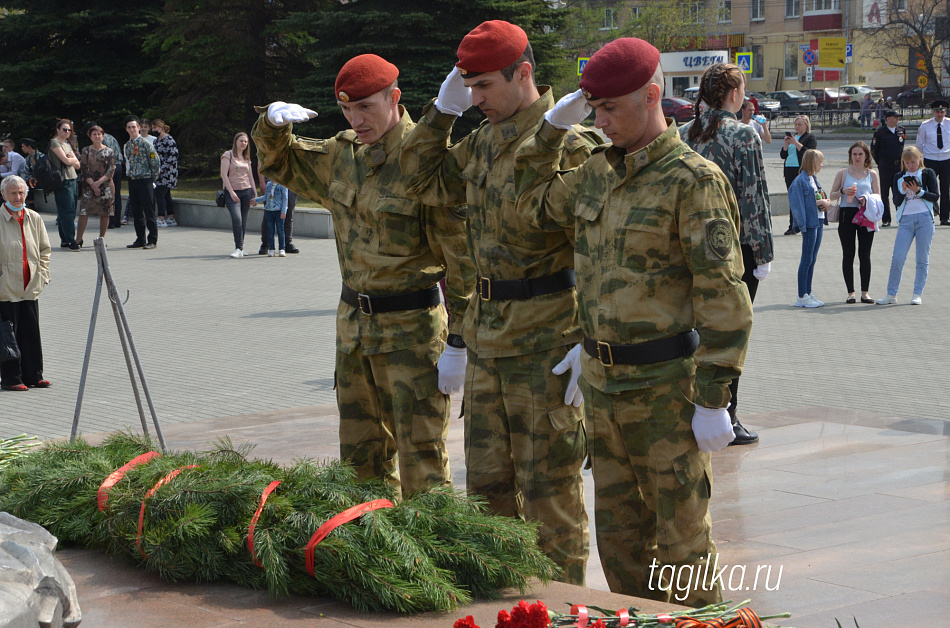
[581,62]
[744,61]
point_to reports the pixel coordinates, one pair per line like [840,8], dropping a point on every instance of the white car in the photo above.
[857,92]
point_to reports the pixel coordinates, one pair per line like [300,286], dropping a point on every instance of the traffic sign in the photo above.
[922,81]
[810,74]
[847,53]
[744,61]
[832,52]
[921,64]
[581,62]
[810,57]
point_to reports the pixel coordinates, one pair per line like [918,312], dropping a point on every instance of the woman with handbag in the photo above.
[851,184]
[24,258]
[915,192]
[808,203]
[793,151]
[238,184]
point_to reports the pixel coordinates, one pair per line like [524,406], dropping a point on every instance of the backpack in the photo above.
[48,177]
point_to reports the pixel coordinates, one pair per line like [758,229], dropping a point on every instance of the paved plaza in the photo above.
[848,492]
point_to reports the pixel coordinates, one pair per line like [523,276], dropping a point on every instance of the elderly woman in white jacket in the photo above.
[24,272]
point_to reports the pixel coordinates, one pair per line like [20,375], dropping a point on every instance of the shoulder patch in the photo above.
[718,237]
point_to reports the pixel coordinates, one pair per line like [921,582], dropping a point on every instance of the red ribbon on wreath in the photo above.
[745,618]
[582,615]
[344,517]
[165,480]
[260,508]
[102,495]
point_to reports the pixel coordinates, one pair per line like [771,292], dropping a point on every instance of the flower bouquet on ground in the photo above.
[537,615]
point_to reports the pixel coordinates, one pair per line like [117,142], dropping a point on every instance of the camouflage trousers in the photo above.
[524,449]
[393,419]
[651,494]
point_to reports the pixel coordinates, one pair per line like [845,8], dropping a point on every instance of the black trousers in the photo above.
[847,231]
[942,168]
[116,219]
[790,175]
[288,222]
[887,181]
[748,260]
[143,210]
[25,316]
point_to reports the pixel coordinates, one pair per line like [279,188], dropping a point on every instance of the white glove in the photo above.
[570,110]
[454,98]
[762,271]
[283,113]
[712,428]
[573,396]
[452,369]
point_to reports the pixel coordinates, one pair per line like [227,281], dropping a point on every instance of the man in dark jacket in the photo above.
[886,147]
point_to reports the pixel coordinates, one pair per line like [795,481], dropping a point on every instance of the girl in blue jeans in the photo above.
[275,211]
[915,192]
[808,203]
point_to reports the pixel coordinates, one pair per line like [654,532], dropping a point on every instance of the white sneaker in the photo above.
[238,253]
[812,299]
[161,222]
[171,223]
[272,254]
[916,300]
[246,254]
[802,301]
[889,299]
[282,253]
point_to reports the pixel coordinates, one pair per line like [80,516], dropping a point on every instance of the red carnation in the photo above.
[598,624]
[538,615]
[519,615]
[504,620]
[466,622]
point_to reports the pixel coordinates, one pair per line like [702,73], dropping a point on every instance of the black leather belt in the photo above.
[679,346]
[507,289]
[373,304]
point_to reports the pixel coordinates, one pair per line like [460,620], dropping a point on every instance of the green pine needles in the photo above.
[433,551]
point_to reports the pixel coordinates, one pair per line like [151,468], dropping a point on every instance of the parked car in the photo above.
[691,93]
[679,109]
[792,100]
[917,97]
[857,92]
[830,98]
[768,107]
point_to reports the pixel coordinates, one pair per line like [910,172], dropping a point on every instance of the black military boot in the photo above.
[743,436]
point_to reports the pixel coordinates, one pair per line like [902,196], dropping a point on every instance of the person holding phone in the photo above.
[792,152]
[915,192]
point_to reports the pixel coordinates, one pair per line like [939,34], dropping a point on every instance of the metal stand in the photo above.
[128,347]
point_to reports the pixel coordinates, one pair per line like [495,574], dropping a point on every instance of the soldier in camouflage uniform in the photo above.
[664,313]
[393,250]
[736,148]
[524,437]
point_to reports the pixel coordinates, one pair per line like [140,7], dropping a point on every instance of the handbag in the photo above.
[9,351]
[833,213]
[219,198]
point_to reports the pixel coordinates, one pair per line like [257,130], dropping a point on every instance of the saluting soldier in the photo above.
[887,145]
[524,436]
[391,327]
[664,313]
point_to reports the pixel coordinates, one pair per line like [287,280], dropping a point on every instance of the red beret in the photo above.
[363,76]
[493,45]
[621,67]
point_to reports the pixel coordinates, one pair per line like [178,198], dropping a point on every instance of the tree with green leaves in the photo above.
[420,37]
[81,60]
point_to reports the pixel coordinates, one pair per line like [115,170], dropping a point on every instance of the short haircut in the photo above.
[94,127]
[526,57]
[10,141]
[811,160]
[130,119]
[29,141]
[9,182]
[908,153]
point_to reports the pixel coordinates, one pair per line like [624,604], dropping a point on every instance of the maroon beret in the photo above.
[493,45]
[621,67]
[363,76]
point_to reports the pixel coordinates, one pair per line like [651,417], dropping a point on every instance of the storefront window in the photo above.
[791,61]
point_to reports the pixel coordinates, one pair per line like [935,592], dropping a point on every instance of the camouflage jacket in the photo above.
[387,242]
[479,170]
[737,149]
[657,254]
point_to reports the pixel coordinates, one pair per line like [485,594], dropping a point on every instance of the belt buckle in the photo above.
[366,305]
[601,346]
[484,288]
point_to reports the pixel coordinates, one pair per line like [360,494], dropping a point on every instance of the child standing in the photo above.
[275,210]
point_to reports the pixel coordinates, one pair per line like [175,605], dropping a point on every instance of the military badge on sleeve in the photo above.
[718,239]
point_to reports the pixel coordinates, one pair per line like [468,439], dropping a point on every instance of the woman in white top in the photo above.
[851,184]
[915,192]
[759,123]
